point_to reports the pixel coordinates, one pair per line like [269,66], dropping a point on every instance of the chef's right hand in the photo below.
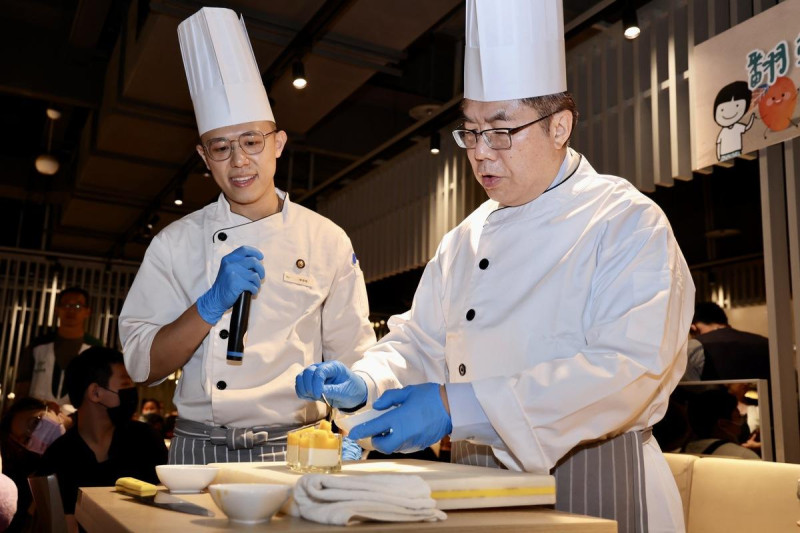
[239,271]
[340,386]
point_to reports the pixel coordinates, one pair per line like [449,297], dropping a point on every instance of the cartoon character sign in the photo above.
[731,104]
[776,105]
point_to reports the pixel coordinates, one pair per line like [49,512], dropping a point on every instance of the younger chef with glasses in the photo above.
[309,301]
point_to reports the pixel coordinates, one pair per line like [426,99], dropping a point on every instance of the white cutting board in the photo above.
[453,486]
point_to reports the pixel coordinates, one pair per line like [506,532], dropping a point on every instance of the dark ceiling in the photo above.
[382,75]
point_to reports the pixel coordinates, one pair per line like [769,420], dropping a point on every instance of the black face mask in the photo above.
[128,402]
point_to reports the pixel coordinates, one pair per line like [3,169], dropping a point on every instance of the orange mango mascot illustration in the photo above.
[777,104]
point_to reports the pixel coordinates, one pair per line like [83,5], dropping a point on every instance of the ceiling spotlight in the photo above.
[53,114]
[152,222]
[178,196]
[630,22]
[435,140]
[299,75]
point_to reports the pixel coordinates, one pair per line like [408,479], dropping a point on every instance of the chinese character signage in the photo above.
[745,86]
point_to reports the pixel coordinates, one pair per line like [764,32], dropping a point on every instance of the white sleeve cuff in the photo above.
[468,417]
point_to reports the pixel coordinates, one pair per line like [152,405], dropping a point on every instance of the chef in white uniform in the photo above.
[309,300]
[550,328]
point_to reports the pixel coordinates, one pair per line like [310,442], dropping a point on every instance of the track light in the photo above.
[435,142]
[299,75]
[178,196]
[630,22]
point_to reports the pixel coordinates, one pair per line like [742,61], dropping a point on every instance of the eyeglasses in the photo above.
[76,307]
[495,138]
[251,142]
[30,427]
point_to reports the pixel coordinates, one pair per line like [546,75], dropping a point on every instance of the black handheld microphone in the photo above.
[238,327]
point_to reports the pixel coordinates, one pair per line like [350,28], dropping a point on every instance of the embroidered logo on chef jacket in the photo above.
[298,279]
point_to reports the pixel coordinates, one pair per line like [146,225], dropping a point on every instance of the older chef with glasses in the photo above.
[309,301]
[550,327]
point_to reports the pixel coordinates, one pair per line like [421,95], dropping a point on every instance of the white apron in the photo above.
[44,361]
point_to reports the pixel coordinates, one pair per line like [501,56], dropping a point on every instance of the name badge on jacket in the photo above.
[298,279]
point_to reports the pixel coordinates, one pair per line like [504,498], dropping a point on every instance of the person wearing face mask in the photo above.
[105,444]
[26,430]
[717,425]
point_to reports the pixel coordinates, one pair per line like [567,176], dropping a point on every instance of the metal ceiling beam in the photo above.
[87,25]
[155,205]
[123,200]
[448,108]
[312,32]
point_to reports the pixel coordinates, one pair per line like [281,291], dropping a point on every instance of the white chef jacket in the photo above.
[312,306]
[574,330]
[44,363]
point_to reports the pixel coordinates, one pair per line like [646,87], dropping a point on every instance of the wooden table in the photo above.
[100,510]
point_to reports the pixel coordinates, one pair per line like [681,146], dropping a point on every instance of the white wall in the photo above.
[752,318]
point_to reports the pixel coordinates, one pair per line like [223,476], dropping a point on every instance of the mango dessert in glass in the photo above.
[314,449]
[293,447]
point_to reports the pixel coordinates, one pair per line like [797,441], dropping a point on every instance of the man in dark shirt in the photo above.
[104,444]
[41,363]
[728,352]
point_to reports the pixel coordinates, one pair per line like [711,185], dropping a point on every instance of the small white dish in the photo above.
[186,479]
[250,503]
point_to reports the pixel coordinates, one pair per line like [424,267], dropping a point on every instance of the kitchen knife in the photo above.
[168,501]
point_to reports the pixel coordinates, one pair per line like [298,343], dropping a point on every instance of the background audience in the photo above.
[727,353]
[717,425]
[43,362]
[21,447]
[105,444]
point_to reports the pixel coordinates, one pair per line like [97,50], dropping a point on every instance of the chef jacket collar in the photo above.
[224,215]
[550,199]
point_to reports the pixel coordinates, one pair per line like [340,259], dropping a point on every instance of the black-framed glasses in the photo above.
[73,307]
[251,142]
[495,138]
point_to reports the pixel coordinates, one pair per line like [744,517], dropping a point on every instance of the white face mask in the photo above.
[46,432]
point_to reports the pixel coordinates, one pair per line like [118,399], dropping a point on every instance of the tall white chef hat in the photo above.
[514,49]
[221,69]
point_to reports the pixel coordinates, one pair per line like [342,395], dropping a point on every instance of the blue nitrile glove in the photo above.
[341,388]
[351,451]
[239,271]
[419,420]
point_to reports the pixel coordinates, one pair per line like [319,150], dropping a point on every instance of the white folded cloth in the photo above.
[344,500]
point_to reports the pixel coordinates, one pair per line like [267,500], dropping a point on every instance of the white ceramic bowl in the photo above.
[249,503]
[184,479]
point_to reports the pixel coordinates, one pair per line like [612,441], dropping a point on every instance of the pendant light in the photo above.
[46,163]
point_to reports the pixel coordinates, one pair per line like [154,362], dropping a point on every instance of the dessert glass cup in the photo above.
[314,449]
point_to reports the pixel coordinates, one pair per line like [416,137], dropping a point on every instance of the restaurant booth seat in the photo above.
[729,495]
[49,513]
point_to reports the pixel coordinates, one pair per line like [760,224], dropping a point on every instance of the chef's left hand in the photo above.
[351,451]
[419,420]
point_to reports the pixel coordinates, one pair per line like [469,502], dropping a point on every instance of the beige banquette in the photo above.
[730,495]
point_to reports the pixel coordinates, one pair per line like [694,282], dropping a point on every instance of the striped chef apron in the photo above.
[200,444]
[602,478]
